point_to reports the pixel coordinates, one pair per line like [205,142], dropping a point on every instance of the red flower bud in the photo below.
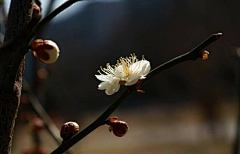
[119,128]
[203,55]
[36,10]
[46,51]
[69,129]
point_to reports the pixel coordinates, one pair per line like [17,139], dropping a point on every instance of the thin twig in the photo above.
[49,17]
[39,109]
[237,138]
[192,55]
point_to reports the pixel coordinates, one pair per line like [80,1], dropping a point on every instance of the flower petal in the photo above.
[104,85]
[140,74]
[104,77]
[148,67]
[116,87]
[119,71]
[129,83]
[137,66]
[113,88]
[132,77]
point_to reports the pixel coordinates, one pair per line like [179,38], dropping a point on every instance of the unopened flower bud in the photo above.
[36,11]
[36,16]
[46,51]
[119,128]
[203,55]
[69,129]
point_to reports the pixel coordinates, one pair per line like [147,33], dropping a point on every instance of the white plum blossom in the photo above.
[126,72]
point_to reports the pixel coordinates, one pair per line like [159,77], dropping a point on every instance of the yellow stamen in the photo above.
[124,62]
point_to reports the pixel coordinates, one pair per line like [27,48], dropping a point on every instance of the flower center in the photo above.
[125,63]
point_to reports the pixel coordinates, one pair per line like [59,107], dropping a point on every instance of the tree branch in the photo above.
[52,129]
[236,143]
[48,18]
[24,37]
[38,108]
[192,55]
[19,16]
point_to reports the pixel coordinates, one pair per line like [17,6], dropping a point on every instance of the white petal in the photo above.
[116,87]
[145,68]
[133,77]
[135,67]
[113,88]
[119,71]
[129,83]
[104,77]
[138,74]
[109,91]
[148,67]
[104,85]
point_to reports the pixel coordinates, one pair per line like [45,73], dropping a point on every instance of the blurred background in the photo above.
[190,108]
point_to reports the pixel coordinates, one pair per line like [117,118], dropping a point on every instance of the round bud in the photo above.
[203,55]
[46,51]
[36,11]
[119,128]
[68,130]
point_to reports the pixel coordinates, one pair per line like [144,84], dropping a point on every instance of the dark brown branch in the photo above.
[19,16]
[48,18]
[38,108]
[236,143]
[51,127]
[192,55]
[24,37]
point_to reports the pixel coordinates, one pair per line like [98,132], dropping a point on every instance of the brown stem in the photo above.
[192,55]
[10,95]
[39,109]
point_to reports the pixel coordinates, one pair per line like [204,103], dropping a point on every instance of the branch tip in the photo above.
[218,35]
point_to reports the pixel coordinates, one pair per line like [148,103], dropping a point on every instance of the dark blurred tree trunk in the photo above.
[10,91]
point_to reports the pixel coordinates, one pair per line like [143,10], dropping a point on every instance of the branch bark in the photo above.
[19,17]
[20,30]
